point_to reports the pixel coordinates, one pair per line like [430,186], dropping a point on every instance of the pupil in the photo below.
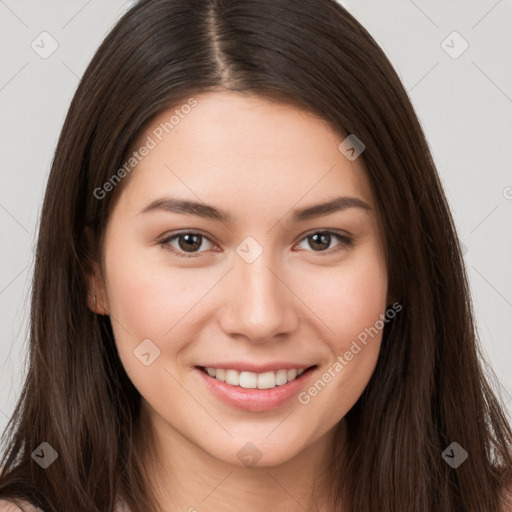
[326,240]
[192,242]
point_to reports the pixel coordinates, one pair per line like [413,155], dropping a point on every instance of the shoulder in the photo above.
[17,505]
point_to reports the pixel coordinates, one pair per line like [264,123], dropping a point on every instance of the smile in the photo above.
[251,380]
[255,392]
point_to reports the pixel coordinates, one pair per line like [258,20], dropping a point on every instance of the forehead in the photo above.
[231,145]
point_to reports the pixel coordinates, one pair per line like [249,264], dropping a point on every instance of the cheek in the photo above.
[145,297]
[350,303]
[349,298]
[150,302]
[362,298]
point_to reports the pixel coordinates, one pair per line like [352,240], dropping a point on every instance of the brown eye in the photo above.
[188,242]
[320,241]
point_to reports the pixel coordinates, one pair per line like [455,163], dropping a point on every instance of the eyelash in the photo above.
[346,242]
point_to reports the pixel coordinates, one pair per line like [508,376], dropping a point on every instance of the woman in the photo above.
[248,287]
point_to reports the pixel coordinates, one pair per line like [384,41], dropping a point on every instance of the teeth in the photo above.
[281,377]
[250,380]
[232,377]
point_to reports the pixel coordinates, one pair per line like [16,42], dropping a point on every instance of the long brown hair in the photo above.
[431,386]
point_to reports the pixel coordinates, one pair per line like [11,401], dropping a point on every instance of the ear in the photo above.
[97,299]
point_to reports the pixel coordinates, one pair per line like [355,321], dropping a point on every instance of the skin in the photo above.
[258,161]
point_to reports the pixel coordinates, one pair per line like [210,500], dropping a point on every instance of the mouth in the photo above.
[253,380]
[255,392]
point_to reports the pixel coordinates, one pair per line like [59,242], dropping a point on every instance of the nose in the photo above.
[259,303]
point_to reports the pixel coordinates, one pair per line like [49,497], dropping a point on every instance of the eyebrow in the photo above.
[174,205]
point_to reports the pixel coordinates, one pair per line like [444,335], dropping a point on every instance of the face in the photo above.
[255,279]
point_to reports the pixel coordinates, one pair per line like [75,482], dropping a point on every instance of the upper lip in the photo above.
[246,366]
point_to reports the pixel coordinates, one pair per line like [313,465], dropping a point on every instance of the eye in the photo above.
[188,243]
[321,240]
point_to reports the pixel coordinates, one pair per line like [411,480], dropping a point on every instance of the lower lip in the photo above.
[255,400]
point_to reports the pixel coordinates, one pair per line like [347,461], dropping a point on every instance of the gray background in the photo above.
[464,105]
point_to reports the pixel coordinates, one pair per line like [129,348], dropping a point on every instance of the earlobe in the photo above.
[97,297]
[95,306]
[96,292]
